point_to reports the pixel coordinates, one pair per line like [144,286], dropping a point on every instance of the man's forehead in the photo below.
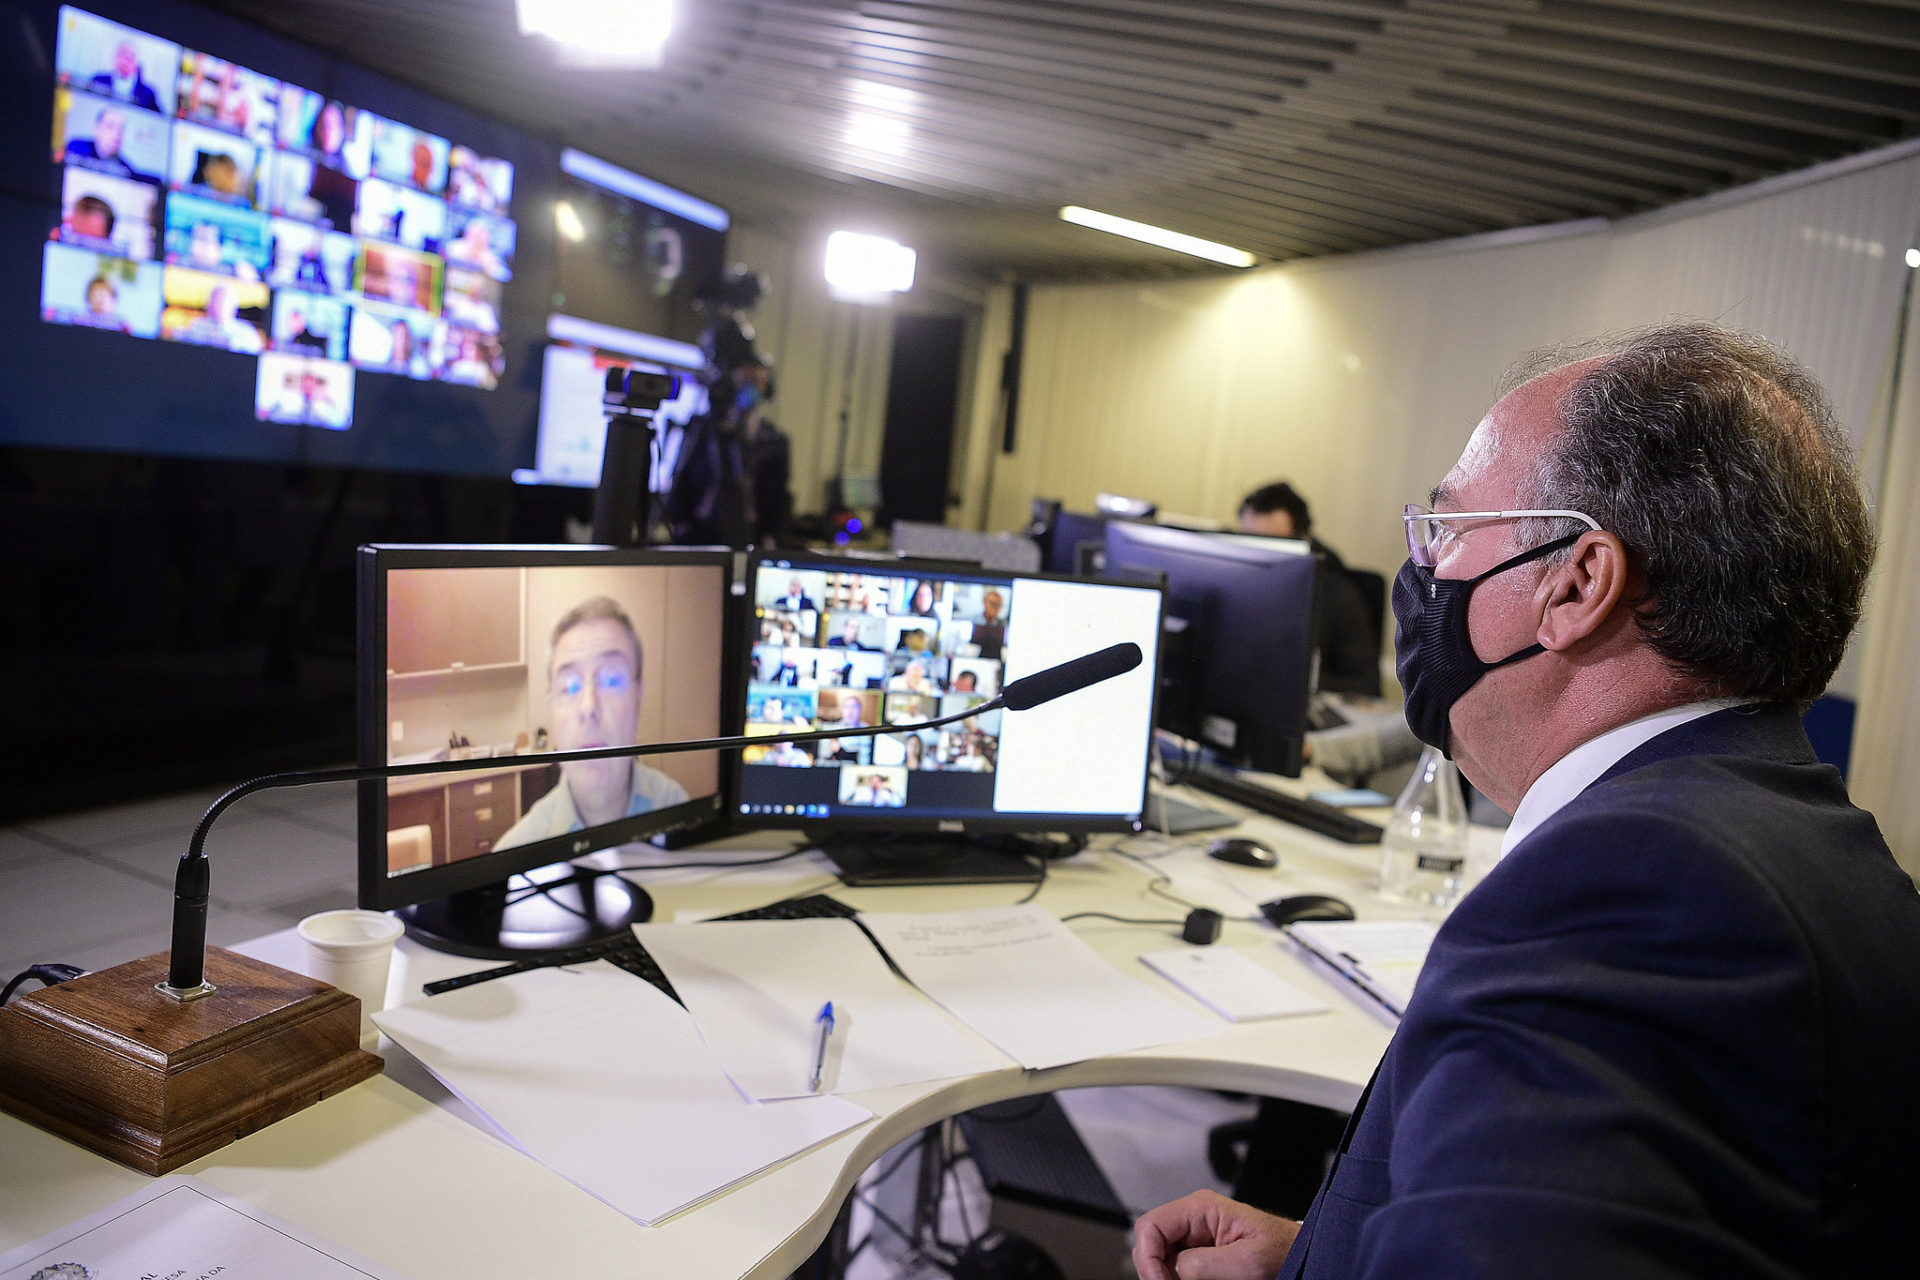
[1506,442]
[591,639]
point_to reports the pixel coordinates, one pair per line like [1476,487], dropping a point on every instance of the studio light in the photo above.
[867,268]
[601,33]
[566,220]
[1226,255]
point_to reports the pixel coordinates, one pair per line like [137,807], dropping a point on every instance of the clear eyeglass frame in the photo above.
[1428,531]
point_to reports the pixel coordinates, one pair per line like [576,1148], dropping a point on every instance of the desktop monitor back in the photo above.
[502,651]
[1075,542]
[849,641]
[1238,667]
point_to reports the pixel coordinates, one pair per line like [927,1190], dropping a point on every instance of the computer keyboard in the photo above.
[1323,819]
[624,950]
[815,906]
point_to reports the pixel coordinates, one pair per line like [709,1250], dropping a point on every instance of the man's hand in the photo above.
[1206,1236]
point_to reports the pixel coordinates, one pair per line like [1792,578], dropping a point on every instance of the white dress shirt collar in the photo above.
[1581,767]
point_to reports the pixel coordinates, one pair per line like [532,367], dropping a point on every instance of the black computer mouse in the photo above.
[1243,852]
[1305,906]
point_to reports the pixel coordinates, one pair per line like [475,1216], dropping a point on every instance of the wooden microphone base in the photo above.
[149,1081]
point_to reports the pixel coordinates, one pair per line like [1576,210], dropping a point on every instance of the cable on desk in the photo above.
[594,873]
[1037,884]
[47,974]
[1158,879]
[1102,915]
[1157,845]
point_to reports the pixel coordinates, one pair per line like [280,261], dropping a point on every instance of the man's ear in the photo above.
[1577,598]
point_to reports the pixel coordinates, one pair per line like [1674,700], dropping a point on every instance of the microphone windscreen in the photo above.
[1068,677]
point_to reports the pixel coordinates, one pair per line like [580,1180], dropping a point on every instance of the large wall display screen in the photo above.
[341,250]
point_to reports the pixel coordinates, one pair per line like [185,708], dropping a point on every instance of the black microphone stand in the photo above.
[186,974]
[186,970]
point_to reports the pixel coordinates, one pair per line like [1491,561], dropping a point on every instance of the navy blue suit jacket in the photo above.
[1676,1032]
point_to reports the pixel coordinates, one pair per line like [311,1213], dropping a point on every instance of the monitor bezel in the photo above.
[891,820]
[379,891]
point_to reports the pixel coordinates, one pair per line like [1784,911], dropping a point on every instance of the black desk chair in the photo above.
[1373,594]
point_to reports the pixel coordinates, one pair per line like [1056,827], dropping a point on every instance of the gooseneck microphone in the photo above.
[1069,677]
[186,965]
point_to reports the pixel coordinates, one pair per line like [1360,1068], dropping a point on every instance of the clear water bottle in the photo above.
[1423,855]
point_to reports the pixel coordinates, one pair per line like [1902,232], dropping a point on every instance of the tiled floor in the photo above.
[95,889]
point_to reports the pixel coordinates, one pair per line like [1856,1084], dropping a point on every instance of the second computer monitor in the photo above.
[841,642]
[1238,668]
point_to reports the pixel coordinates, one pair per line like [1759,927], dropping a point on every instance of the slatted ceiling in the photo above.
[1294,128]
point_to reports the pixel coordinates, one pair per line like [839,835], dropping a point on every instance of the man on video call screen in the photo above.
[594,687]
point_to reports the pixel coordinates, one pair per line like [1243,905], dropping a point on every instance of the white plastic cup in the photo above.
[352,950]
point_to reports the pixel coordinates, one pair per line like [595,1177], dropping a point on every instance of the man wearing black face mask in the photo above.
[1673,1033]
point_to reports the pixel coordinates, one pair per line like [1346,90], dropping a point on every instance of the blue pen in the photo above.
[822,1033]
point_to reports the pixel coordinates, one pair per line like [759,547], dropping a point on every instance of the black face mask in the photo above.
[1433,652]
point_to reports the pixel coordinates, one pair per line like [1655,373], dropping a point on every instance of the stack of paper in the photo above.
[754,988]
[604,1080]
[1382,958]
[181,1226]
[1018,977]
[1231,983]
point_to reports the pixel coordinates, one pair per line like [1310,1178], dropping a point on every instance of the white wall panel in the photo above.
[1360,377]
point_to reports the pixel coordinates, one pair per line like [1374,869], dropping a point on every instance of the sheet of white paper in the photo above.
[605,1081]
[1383,958]
[1020,978]
[181,1226]
[1231,983]
[755,987]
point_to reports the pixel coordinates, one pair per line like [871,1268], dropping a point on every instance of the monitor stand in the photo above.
[546,909]
[880,861]
[1177,817]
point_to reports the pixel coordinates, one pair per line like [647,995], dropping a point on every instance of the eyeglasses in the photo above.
[608,682]
[1428,532]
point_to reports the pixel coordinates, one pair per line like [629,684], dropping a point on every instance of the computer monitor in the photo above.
[1075,542]
[839,640]
[502,651]
[1008,552]
[1239,661]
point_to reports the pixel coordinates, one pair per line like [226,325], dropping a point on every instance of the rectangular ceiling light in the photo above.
[1166,239]
[602,33]
[867,268]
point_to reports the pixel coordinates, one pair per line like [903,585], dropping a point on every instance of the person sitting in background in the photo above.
[1344,632]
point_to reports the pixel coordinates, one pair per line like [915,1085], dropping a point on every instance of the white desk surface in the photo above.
[397,1170]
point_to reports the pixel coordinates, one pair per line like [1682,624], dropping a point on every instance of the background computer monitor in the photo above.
[1073,540]
[847,641]
[461,654]
[1238,667]
[1007,552]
